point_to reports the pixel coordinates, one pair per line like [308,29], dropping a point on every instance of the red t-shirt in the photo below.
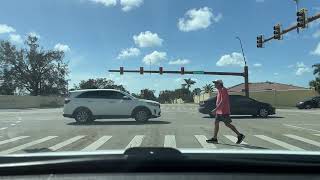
[223,96]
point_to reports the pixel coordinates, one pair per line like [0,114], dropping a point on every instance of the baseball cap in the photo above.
[218,81]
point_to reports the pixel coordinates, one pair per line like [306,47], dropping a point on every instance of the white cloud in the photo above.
[316,34]
[62,47]
[128,5]
[317,50]
[15,38]
[179,62]
[257,65]
[106,3]
[6,29]
[231,59]
[129,52]
[154,58]
[259,1]
[301,69]
[276,74]
[195,19]
[147,39]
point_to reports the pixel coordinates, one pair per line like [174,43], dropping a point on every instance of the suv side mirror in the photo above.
[126,98]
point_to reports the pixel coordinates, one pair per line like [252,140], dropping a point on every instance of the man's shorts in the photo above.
[224,118]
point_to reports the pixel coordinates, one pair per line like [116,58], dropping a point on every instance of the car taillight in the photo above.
[66,101]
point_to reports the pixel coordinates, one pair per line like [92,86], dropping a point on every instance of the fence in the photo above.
[11,102]
[287,98]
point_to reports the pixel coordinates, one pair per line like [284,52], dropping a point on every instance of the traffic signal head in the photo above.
[141,70]
[182,70]
[121,70]
[161,70]
[277,31]
[302,18]
[260,41]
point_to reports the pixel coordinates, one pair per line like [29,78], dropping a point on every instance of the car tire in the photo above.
[142,115]
[308,106]
[83,116]
[263,112]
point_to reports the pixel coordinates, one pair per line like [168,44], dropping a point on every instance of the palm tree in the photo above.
[208,88]
[316,83]
[189,83]
[197,91]
[316,69]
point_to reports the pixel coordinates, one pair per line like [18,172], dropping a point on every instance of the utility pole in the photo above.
[246,71]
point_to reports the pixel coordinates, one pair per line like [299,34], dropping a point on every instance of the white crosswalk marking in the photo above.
[309,141]
[98,143]
[316,134]
[279,143]
[136,141]
[3,128]
[202,140]
[170,141]
[23,146]
[12,140]
[234,139]
[65,143]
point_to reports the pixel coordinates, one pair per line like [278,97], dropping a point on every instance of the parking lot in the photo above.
[180,126]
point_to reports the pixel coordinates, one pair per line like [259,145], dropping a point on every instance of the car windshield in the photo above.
[201,75]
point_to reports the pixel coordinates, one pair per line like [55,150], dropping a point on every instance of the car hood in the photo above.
[144,100]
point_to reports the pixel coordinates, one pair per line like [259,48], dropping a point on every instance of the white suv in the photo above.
[87,105]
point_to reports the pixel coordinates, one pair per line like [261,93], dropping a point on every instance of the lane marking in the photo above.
[297,127]
[98,143]
[135,142]
[3,128]
[202,141]
[12,124]
[12,139]
[65,143]
[316,134]
[23,146]
[18,122]
[234,139]
[170,141]
[309,141]
[279,143]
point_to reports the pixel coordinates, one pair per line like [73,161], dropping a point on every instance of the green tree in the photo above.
[166,96]
[99,83]
[188,83]
[148,94]
[39,71]
[316,83]
[208,88]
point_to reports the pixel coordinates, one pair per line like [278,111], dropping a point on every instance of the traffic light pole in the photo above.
[245,74]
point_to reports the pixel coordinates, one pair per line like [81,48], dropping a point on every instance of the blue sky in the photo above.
[98,35]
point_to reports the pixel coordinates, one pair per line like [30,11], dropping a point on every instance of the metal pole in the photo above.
[246,72]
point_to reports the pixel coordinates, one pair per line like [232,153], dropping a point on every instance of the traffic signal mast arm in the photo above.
[309,19]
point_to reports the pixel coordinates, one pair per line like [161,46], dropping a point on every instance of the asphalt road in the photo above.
[181,126]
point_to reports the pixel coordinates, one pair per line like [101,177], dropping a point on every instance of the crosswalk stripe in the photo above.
[65,143]
[3,128]
[23,146]
[316,134]
[12,140]
[234,139]
[309,141]
[170,141]
[202,140]
[279,143]
[136,141]
[98,143]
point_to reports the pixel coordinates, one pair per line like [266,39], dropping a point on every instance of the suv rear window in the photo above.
[89,94]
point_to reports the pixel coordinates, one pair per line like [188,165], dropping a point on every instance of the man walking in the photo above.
[222,113]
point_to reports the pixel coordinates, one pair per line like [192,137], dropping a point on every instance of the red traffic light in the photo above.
[141,70]
[121,70]
[161,70]
[182,70]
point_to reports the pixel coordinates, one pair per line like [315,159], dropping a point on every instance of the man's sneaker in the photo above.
[240,138]
[212,140]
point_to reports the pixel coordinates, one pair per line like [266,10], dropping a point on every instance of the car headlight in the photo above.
[153,104]
[300,103]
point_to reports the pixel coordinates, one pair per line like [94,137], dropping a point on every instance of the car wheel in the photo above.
[142,116]
[308,106]
[83,116]
[263,113]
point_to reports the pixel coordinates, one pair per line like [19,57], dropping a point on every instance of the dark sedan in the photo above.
[313,102]
[239,105]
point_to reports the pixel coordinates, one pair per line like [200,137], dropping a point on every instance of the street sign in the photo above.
[198,72]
